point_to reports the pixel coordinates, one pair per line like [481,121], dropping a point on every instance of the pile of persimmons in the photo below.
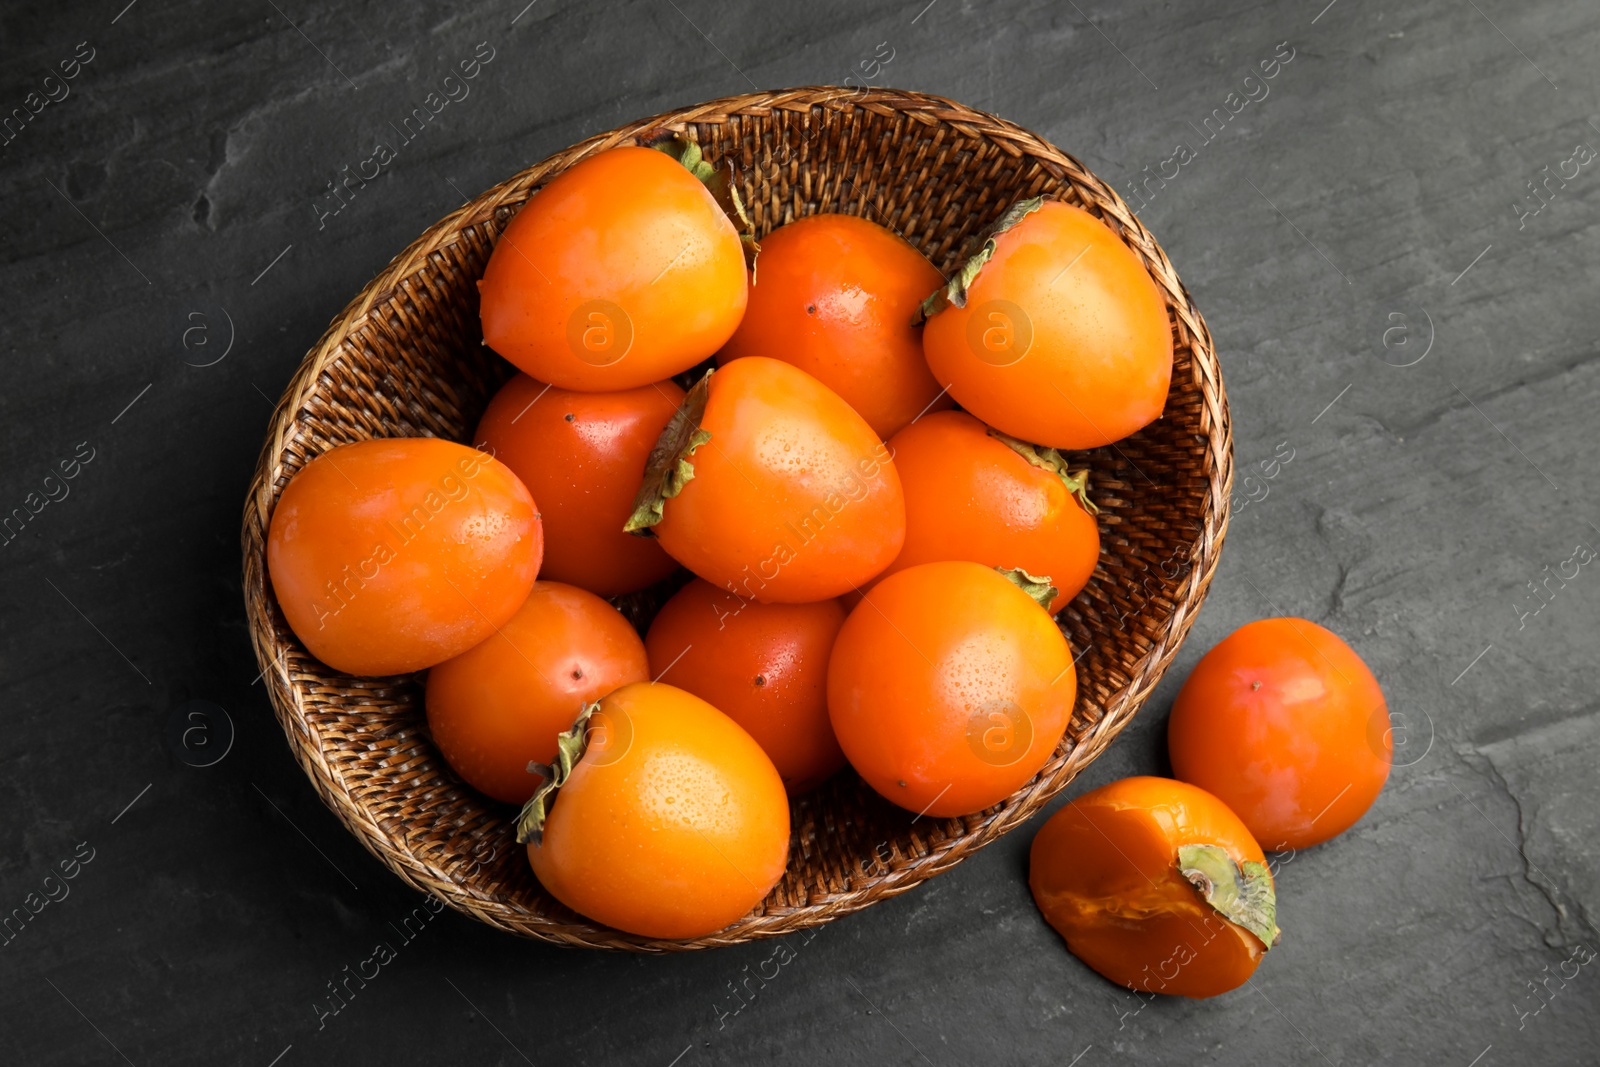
[858,571]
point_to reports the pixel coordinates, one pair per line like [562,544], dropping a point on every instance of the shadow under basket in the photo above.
[405,358]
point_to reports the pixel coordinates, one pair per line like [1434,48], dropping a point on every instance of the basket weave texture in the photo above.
[405,359]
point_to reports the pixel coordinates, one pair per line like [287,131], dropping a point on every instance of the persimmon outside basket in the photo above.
[405,359]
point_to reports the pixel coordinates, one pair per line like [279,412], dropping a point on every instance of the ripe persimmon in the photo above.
[1286,724]
[1054,332]
[949,687]
[503,702]
[765,666]
[663,817]
[770,486]
[582,455]
[834,295]
[392,555]
[1156,885]
[975,494]
[622,271]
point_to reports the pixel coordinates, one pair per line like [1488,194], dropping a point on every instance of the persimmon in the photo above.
[502,703]
[582,455]
[1054,332]
[834,295]
[770,486]
[973,493]
[949,687]
[1285,723]
[662,816]
[622,271]
[392,555]
[1157,886]
[765,666]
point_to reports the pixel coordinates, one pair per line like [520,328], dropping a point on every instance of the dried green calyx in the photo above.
[954,292]
[1039,588]
[668,469]
[1077,482]
[1242,894]
[685,151]
[569,750]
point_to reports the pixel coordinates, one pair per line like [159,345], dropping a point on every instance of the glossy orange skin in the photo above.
[392,555]
[765,666]
[1104,872]
[1285,723]
[971,496]
[834,295]
[1100,358]
[949,688]
[501,703]
[673,824]
[794,498]
[622,271]
[582,455]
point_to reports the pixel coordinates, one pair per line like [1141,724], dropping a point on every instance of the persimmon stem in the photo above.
[687,152]
[570,747]
[1077,482]
[1036,587]
[1242,893]
[668,468]
[954,292]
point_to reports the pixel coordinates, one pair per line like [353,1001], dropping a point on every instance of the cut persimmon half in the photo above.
[1158,886]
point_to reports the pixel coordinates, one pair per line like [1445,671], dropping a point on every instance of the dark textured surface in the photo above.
[1389,153]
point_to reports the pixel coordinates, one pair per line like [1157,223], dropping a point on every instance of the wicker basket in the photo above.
[405,359]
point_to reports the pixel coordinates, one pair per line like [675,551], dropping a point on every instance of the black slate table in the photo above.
[1394,241]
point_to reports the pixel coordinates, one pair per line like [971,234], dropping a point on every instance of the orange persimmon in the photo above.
[502,703]
[664,817]
[1157,885]
[1284,722]
[770,486]
[1054,332]
[834,295]
[582,455]
[974,494]
[765,666]
[622,271]
[392,555]
[949,687]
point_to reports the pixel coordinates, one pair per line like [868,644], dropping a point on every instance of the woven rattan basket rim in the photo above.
[287,676]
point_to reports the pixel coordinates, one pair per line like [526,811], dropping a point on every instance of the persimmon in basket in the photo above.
[950,686]
[622,271]
[835,295]
[976,494]
[500,705]
[1054,332]
[770,486]
[392,555]
[662,817]
[765,666]
[582,455]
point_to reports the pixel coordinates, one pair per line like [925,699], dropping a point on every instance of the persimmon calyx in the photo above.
[668,469]
[1241,893]
[687,152]
[954,292]
[570,747]
[1038,588]
[1077,482]
[720,181]
[724,188]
